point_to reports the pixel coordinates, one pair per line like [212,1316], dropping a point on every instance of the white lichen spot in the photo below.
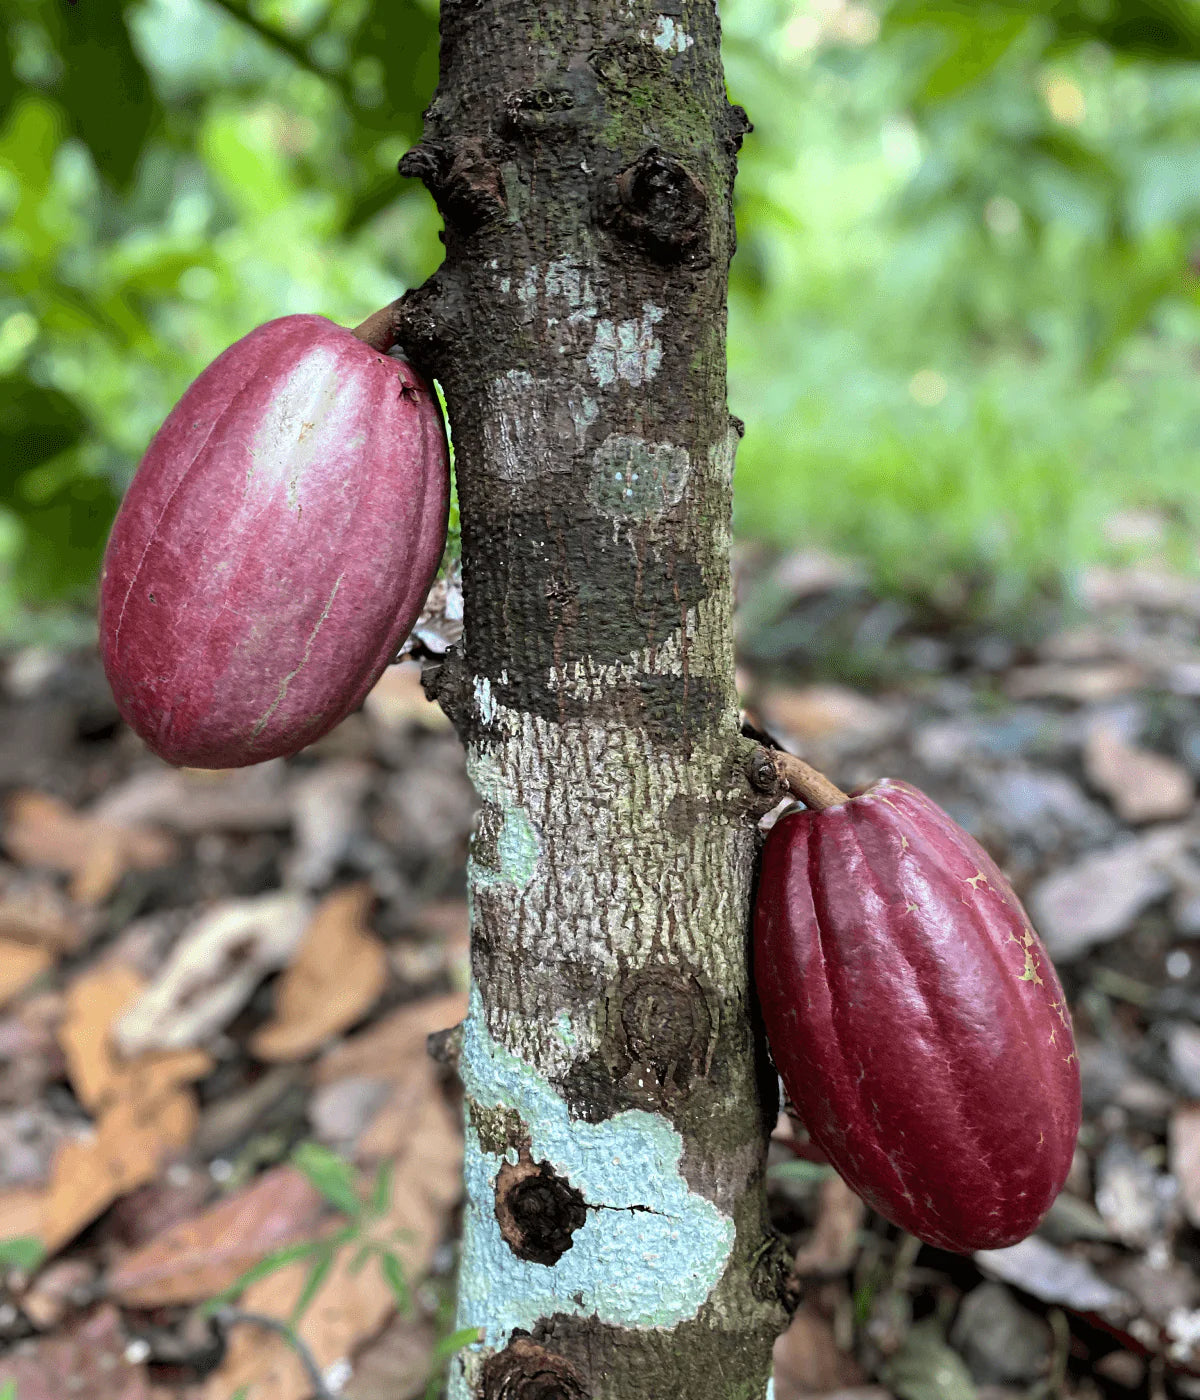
[506,285]
[484,700]
[669,36]
[627,350]
[528,290]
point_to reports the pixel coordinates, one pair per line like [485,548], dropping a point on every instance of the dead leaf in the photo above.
[201,1257]
[1141,587]
[326,809]
[57,1290]
[351,1307]
[1185,1158]
[396,1365]
[32,911]
[385,1049]
[133,1140]
[97,1074]
[29,1138]
[441,622]
[1053,1276]
[143,1115]
[807,1359]
[213,970]
[816,713]
[1098,897]
[42,831]
[1082,683]
[20,966]
[20,1214]
[193,801]
[336,978]
[90,1360]
[397,699]
[1142,786]
[834,1243]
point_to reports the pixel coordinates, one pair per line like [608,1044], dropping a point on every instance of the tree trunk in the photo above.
[617,1098]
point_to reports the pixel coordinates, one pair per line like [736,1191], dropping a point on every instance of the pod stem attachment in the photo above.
[803,781]
[379,329]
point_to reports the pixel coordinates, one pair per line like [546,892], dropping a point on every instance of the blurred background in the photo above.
[965,313]
[965,340]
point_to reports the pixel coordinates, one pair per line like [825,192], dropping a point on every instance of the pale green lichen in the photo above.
[651,1250]
[638,479]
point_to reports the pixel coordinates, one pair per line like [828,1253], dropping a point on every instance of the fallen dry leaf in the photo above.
[335,979]
[41,831]
[143,1115]
[834,1244]
[56,1290]
[396,1365]
[201,1257]
[351,1307]
[1142,786]
[20,966]
[1099,896]
[213,970]
[192,800]
[828,712]
[132,1142]
[385,1049]
[1083,683]
[90,1360]
[97,1074]
[32,911]
[326,807]
[20,1213]
[397,699]
[1185,1158]
[807,1359]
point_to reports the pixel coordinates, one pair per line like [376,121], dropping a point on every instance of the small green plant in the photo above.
[336,1180]
[24,1253]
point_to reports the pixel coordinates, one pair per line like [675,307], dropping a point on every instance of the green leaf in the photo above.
[443,1351]
[10,1391]
[105,89]
[800,1170]
[332,1175]
[36,424]
[925,1368]
[381,1190]
[24,1253]
[317,1276]
[393,1274]
[269,1264]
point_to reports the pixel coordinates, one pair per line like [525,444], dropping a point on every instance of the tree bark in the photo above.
[617,1096]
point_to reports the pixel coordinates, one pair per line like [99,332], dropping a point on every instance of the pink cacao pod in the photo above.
[275,546]
[915,1019]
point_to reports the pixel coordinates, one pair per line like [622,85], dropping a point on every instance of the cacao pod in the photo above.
[915,1019]
[275,546]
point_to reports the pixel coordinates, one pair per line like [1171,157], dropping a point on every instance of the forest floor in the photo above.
[216,992]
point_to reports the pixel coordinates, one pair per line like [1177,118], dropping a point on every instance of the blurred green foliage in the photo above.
[965,320]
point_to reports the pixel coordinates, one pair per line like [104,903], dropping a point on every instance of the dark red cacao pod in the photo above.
[275,546]
[915,1019]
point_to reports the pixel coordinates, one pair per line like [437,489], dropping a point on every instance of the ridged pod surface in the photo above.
[275,546]
[915,1019]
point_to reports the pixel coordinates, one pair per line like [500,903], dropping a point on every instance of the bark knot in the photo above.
[658,204]
[465,181]
[526,1371]
[538,1211]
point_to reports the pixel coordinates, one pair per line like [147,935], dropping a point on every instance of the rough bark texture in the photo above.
[583,156]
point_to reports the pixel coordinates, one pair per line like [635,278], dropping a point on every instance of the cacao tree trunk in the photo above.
[617,1097]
